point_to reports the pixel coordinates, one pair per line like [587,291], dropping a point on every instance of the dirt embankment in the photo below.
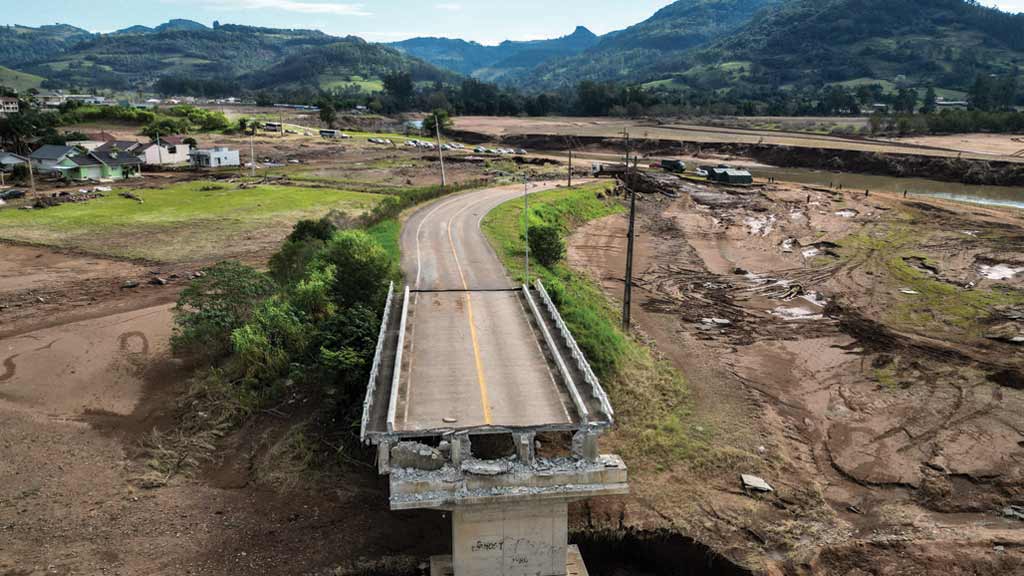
[854,349]
[967,171]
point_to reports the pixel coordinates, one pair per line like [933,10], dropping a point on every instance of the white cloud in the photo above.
[448,7]
[330,8]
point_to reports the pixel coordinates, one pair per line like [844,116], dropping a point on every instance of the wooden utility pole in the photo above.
[627,297]
[252,151]
[159,152]
[32,179]
[440,153]
[570,167]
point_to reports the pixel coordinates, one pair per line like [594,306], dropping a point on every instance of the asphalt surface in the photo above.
[472,358]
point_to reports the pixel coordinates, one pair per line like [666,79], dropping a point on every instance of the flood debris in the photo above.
[755,483]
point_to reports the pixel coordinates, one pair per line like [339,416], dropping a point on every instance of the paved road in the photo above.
[472,357]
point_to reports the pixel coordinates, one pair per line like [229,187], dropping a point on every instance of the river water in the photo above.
[989,195]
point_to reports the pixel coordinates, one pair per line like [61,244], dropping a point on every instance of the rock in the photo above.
[130,284]
[755,483]
[158,281]
[486,467]
[417,456]
[1016,512]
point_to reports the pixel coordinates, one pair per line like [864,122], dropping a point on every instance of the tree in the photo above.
[328,115]
[400,87]
[443,120]
[930,100]
[362,269]
[546,245]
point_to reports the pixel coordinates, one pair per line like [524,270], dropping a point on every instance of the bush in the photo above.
[267,344]
[289,264]
[546,245]
[321,229]
[362,269]
[216,304]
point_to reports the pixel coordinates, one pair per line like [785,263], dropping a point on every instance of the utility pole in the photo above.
[440,153]
[32,179]
[570,167]
[252,150]
[627,297]
[526,224]
[159,152]
[625,134]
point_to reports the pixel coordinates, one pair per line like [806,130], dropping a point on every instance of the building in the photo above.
[943,104]
[728,175]
[99,165]
[166,151]
[130,146]
[8,106]
[47,157]
[214,158]
[8,160]
[93,140]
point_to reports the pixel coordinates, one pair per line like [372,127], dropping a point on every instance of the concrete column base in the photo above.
[574,566]
[520,539]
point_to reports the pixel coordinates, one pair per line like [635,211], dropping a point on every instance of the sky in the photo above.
[485,21]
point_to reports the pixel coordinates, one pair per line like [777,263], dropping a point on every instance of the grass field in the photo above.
[180,223]
[20,81]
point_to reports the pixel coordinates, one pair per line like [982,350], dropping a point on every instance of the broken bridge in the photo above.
[481,403]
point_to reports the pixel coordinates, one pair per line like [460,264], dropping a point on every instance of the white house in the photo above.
[93,140]
[8,106]
[167,151]
[214,158]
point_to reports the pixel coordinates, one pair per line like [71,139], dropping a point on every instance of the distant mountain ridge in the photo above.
[493,63]
[229,55]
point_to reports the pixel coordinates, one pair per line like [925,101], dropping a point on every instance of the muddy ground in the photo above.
[854,350]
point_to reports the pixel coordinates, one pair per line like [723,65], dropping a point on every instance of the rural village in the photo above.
[251,334]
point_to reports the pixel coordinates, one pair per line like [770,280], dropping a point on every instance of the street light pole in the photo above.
[526,224]
[440,153]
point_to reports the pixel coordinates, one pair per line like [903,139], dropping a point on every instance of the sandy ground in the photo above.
[646,129]
[790,352]
[994,144]
[76,400]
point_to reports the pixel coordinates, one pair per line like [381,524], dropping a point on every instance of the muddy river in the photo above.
[990,195]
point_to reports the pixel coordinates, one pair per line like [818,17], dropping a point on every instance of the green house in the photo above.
[99,165]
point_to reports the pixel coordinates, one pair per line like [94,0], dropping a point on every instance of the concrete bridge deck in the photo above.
[466,348]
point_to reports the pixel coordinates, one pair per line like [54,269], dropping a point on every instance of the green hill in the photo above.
[495,62]
[20,81]
[185,57]
[946,43]
[651,49]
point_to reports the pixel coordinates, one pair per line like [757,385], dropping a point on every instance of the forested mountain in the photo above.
[21,44]
[945,43]
[495,62]
[651,49]
[184,57]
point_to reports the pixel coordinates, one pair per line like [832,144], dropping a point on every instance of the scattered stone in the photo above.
[158,281]
[449,420]
[755,483]
[909,292]
[854,509]
[1015,512]
[416,455]
[130,284]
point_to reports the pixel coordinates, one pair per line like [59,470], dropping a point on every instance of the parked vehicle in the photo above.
[12,194]
[676,166]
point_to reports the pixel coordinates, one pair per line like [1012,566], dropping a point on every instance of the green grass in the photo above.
[387,234]
[657,427]
[180,222]
[19,81]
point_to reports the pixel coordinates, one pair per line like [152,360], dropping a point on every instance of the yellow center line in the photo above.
[472,326]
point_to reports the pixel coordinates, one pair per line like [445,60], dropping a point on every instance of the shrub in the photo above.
[362,269]
[546,245]
[321,229]
[270,340]
[216,304]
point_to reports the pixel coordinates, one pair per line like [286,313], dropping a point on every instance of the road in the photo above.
[472,356]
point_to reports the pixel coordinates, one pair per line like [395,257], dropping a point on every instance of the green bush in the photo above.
[270,340]
[321,229]
[362,269]
[216,304]
[546,245]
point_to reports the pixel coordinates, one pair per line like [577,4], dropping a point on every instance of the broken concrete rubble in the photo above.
[416,455]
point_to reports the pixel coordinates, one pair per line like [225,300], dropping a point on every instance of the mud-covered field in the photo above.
[862,353]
